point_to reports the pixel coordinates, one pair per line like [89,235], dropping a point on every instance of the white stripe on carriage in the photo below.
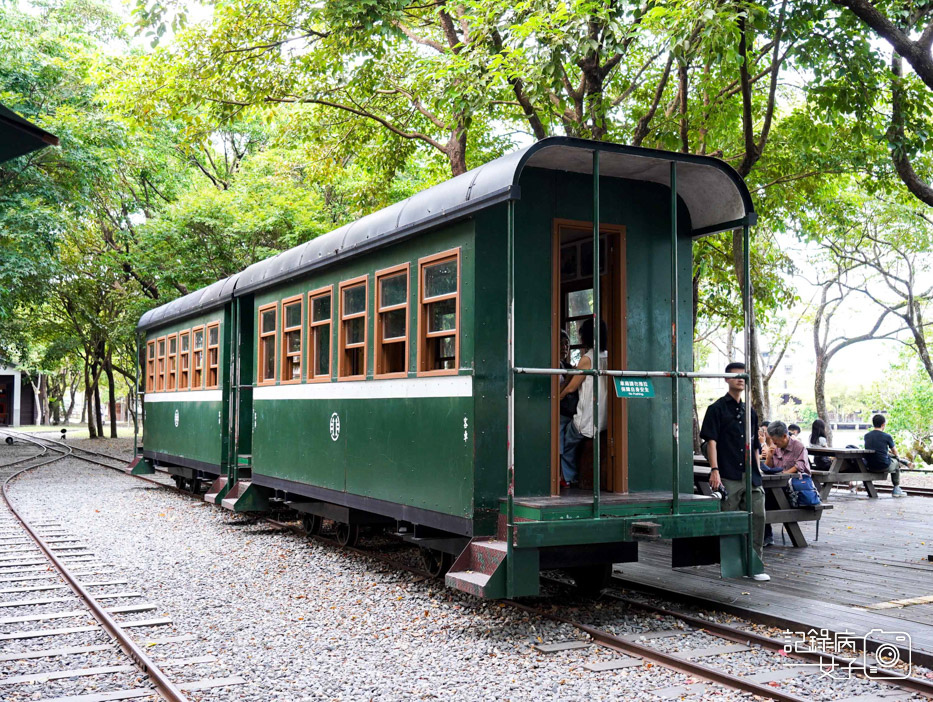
[443,386]
[185,396]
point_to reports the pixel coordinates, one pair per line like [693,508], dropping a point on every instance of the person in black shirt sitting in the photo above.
[724,430]
[883,446]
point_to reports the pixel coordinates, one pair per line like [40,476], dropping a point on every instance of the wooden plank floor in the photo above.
[870,551]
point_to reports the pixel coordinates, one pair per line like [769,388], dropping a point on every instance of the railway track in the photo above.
[706,663]
[64,617]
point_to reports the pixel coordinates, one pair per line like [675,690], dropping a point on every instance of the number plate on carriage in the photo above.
[634,387]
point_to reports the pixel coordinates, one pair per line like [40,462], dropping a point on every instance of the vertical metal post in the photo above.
[597,342]
[675,366]
[234,369]
[749,440]
[136,409]
[510,393]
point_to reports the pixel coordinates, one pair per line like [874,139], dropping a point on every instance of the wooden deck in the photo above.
[870,551]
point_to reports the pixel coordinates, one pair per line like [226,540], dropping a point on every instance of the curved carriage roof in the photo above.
[214,295]
[714,194]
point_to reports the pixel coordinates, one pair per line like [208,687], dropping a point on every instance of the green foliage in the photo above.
[906,395]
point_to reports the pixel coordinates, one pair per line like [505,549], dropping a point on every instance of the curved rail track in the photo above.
[638,648]
[21,566]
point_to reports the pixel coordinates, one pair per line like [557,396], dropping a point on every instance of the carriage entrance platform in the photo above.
[869,570]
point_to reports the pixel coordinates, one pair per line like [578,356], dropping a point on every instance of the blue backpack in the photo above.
[805,491]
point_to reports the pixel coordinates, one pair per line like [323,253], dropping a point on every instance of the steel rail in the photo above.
[163,685]
[668,660]
[743,636]
[915,491]
[44,451]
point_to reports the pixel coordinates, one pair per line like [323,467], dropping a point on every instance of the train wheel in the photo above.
[195,485]
[437,563]
[312,524]
[179,482]
[348,534]
[591,579]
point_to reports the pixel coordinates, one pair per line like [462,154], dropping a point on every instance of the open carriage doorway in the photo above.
[571,304]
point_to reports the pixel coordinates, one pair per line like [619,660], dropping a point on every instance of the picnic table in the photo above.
[777,507]
[849,465]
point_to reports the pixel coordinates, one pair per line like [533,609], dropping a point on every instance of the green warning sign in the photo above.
[633,387]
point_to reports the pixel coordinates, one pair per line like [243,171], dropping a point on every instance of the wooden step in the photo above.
[229,502]
[215,489]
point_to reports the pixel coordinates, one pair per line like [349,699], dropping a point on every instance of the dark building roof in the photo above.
[19,136]
[714,194]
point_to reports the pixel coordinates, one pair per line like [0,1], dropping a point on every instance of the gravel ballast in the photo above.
[300,619]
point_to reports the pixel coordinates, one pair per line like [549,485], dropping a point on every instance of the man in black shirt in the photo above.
[881,443]
[724,430]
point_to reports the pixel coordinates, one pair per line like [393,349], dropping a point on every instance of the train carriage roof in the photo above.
[213,296]
[714,194]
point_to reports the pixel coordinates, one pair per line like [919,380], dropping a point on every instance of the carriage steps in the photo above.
[481,570]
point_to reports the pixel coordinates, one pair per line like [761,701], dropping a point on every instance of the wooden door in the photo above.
[572,274]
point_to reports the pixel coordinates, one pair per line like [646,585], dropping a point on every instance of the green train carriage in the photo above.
[185,362]
[374,371]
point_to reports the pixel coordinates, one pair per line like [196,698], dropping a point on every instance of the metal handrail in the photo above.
[518,370]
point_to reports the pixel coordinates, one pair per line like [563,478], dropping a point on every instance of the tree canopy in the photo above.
[196,140]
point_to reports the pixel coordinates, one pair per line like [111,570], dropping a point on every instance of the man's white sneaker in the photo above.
[760,577]
[897,492]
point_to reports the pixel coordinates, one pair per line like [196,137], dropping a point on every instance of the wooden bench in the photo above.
[777,507]
[849,465]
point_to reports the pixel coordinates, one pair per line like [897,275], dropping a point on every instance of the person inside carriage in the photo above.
[581,426]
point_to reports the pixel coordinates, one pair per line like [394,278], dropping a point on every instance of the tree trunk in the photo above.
[72,389]
[98,414]
[819,392]
[111,397]
[44,398]
[87,412]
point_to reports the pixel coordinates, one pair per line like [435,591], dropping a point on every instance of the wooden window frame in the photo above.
[299,299]
[150,366]
[341,347]
[197,369]
[208,366]
[312,337]
[160,363]
[423,334]
[275,346]
[379,348]
[171,363]
[184,370]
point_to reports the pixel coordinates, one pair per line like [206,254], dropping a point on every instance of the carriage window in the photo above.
[197,357]
[352,362]
[184,360]
[150,366]
[578,306]
[268,320]
[291,340]
[160,365]
[439,311]
[319,335]
[392,321]
[213,354]
[172,361]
